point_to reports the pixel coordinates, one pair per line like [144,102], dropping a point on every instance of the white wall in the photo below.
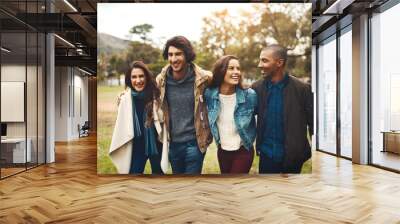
[14,73]
[62,80]
[71,94]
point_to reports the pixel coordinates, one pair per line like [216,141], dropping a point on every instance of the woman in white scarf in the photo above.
[134,139]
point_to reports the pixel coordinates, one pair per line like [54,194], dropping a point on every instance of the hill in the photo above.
[109,44]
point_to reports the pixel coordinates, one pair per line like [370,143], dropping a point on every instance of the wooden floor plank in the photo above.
[70,191]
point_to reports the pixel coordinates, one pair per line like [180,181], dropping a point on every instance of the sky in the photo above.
[168,20]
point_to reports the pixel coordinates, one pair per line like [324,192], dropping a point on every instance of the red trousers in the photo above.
[238,161]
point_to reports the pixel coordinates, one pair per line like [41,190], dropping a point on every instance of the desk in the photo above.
[13,150]
[391,141]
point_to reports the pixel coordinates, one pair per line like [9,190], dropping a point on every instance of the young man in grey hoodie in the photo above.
[182,84]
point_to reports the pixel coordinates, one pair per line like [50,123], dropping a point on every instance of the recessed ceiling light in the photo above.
[5,50]
[70,5]
[64,40]
[86,72]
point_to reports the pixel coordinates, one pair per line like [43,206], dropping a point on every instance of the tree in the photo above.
[117,67]
[204,58]
[101,66]
[142,31]
[286,24]
[218,33]
[290,26]
[150,55]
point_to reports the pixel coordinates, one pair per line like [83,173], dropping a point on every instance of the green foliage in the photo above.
[150,55]
[101,66]
[204,58]
[157,65]
[142,31]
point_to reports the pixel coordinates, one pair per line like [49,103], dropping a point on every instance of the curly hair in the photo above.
[183,44]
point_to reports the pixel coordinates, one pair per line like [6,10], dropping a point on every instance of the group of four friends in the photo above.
[173,119]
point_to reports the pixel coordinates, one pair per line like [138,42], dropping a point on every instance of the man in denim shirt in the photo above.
[285,110]
[273,141]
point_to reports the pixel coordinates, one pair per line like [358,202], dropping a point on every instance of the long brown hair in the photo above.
[219,71]
[151,91]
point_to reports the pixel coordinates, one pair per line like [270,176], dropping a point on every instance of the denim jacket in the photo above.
[244,114]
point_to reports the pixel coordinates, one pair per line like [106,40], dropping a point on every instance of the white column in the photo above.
[360,90]
[50,94]
[314,90]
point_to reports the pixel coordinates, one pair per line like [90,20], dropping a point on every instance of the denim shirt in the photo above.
[274,136]
[244,114]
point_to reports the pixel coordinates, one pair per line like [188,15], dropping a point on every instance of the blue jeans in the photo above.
[139,158]
[268,165]
[186,157]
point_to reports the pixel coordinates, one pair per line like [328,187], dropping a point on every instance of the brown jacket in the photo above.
[298,115]
[203,78]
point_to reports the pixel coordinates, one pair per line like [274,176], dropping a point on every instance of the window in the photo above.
[385,89]
[346,92]
[327,95]
[23,76]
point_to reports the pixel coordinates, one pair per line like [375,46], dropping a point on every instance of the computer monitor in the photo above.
[3,129]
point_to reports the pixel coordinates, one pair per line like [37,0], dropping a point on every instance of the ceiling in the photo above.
[76,22]
[332,15]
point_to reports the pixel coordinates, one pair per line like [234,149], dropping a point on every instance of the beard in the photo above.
[266,74]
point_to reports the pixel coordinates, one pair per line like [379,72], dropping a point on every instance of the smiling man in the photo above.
[285,111]
[182,84]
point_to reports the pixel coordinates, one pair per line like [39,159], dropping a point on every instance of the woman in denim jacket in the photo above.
[231,114]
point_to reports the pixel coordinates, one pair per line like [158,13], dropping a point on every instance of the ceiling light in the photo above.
[70,5]
[86,72]
[5,50]
[64,40]
[337,7]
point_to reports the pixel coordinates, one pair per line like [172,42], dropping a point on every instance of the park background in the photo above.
[133,31]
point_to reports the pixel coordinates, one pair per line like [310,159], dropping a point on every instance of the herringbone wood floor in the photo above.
[69,191]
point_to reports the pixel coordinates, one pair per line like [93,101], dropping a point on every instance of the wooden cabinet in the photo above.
[391,142]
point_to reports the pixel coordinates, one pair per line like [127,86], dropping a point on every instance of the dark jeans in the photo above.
[186,157]
[139,158]
[238,161]
[268,165]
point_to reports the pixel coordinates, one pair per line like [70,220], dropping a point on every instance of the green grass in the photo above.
[107,113]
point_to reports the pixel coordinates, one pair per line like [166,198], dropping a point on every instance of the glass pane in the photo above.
[13,86]
[41,98]
[385,86]
[31,97]
[327,96]
[346,94]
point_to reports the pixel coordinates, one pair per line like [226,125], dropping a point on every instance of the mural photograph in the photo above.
[197,91]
